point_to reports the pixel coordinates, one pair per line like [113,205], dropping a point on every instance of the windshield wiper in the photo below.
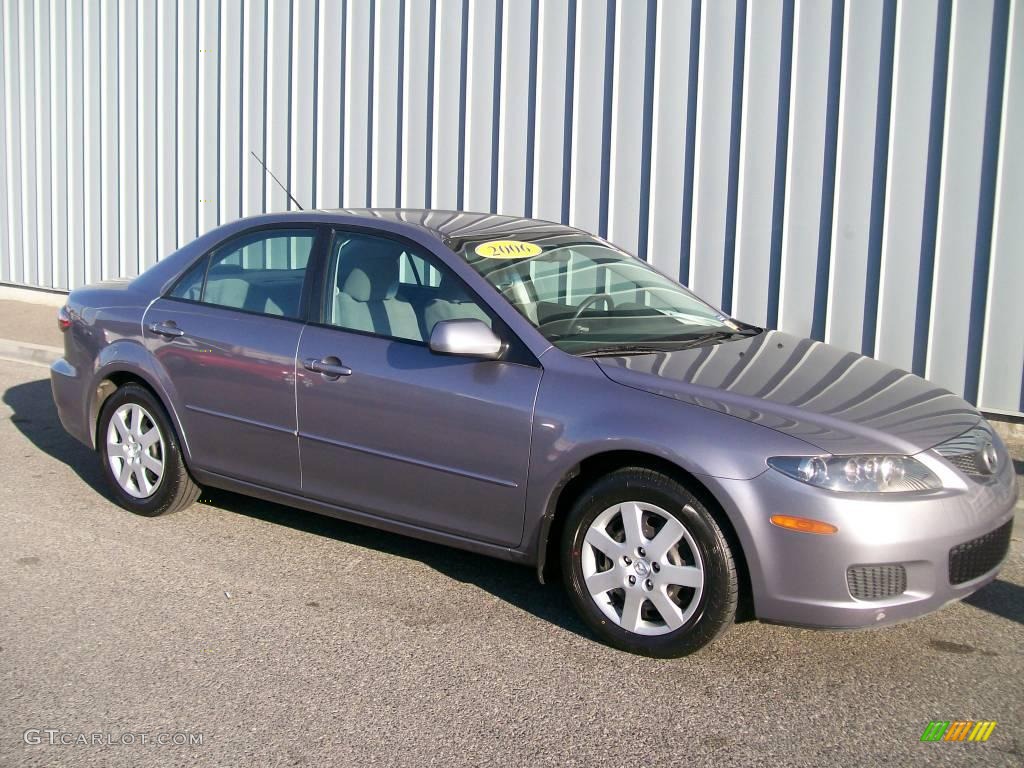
[673,345]
[622,349]
[704,338]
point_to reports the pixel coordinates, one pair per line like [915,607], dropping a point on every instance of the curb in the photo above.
[26,352]
[40,296]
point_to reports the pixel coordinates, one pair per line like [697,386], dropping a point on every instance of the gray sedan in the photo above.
[529,391]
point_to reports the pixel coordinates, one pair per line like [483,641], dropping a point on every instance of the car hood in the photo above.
[839,401]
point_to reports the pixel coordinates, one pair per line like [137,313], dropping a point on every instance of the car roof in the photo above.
[456,228]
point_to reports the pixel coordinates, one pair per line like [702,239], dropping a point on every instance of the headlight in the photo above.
[863,474]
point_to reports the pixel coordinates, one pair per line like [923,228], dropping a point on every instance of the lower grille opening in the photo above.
[978,556]
[876,582]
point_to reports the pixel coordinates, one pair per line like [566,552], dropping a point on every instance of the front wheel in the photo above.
[647,566]
[140,454]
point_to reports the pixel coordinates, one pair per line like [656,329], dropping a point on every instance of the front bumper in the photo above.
[801,579]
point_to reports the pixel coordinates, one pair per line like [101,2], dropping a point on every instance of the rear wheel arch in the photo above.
[585,473]
[140,454]
[113,381]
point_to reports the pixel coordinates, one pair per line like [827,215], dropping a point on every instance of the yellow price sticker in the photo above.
[507,249]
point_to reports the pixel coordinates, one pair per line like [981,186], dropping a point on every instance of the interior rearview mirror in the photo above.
[468,337]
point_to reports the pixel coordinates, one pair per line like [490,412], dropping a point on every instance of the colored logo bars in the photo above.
[958,730]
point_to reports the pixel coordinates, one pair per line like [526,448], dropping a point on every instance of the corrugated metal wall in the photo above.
[851,171]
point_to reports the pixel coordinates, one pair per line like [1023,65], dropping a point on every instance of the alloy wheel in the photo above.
[642,568]
[135,450]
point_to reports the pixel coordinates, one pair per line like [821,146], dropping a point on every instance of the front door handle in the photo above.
[330,367]
[168,329]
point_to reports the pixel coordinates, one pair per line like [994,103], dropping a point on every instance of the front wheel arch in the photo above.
[615,536]
[582,475]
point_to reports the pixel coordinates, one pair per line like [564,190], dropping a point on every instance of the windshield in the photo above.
[589,298]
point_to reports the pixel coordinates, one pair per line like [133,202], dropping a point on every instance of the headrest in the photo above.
[373,274]
[227,290]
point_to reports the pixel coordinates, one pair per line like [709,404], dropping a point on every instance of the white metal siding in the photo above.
[847,170]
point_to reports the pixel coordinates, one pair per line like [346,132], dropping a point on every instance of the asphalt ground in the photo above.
[284,638]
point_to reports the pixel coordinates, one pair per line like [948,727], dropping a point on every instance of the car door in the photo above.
[226,335]
[390,428]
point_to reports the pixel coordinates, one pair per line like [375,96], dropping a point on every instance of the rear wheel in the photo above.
[141,456]
[647,566]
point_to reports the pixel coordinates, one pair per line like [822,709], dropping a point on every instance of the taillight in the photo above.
[63,319]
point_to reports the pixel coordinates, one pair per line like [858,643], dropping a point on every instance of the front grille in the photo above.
[968,463]
[876,582]
[967,452]
[979,556]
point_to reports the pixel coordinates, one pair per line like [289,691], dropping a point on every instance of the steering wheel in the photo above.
[585,304]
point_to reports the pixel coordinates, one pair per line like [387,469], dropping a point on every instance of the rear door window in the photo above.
[261,272]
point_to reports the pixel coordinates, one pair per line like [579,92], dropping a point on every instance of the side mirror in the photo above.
[467,337]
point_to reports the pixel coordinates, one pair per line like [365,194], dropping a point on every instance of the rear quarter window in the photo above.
[190,285]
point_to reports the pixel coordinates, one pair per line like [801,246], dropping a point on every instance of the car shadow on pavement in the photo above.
[35,416]
[1000,598]
[515,584]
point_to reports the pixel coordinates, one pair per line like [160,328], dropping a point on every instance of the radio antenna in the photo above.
[282,186]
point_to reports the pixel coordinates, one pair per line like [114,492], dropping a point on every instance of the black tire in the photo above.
[715,608]
[176,490]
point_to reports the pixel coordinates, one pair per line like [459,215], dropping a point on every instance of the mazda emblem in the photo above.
[989,458]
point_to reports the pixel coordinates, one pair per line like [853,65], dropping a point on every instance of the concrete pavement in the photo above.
[32,322]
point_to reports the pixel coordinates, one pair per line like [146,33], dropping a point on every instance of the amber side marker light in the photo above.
[802,524]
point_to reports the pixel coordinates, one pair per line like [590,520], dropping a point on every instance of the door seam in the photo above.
[295,401]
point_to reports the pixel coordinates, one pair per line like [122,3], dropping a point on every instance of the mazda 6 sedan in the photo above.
[526,390]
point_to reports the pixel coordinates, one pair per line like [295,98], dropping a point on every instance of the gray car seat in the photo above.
[365,297]
[278,296]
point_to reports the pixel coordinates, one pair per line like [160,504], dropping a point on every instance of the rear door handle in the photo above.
[170,330]
[330,367]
